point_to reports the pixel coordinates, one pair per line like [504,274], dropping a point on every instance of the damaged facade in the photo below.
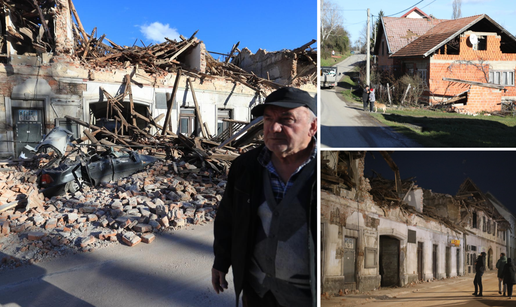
[467,64]
[381,233]
[56,74]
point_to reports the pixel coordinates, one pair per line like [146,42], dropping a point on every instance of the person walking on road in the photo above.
[365,97]
[500,264]
[372,99]
[509,277]
[480,268]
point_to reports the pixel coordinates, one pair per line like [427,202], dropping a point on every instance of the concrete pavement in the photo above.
[174,270]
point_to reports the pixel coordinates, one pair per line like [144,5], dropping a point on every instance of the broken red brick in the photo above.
[92,217]
[105,235]
[142,228]
[148,238]
[85,241]
[51,224]
[35,235]
[130,238]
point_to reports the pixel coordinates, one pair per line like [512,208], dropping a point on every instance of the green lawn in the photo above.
[440,129]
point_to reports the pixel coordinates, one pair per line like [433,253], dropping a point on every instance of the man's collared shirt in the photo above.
[280,188]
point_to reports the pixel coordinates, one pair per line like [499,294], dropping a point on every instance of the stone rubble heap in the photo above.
[129,211]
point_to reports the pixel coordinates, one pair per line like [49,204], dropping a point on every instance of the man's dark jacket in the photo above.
[508,273]
[236,221]
[365,96]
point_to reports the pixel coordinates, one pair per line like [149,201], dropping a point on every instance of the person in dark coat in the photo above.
[500,264]
[509,277]
[480,268]
[365,97]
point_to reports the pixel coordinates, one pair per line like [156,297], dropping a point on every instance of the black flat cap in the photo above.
[287,97]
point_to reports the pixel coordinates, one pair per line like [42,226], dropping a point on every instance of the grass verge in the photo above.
[440,129]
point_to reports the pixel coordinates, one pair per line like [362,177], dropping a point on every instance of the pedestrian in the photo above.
[365,97]
[500,265]
[265,228]
[480,268]
[372,99]
[509,277]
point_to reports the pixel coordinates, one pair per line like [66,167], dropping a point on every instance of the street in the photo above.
[174,270]
[347,125]
[449,292]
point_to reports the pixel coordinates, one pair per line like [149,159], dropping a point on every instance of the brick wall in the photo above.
[470,65]
[483,99]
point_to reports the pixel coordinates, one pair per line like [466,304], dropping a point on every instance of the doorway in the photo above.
[490,259]
[349,259]
[389,261]
[420,260]
[28,129]
[434,260]
[448,261]
[457,259]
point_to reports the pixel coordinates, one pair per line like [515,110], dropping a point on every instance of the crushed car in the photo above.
[79,168]
[57,140]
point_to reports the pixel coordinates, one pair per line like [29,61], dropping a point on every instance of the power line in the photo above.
[405,9]
[428,4]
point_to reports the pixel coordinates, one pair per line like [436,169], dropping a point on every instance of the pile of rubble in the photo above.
[33,26]
[161,198]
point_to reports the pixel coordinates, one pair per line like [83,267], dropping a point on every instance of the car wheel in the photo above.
[73,186]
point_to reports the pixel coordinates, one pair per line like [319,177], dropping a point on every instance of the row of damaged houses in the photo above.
[380,233]
[55,73]
[466,64]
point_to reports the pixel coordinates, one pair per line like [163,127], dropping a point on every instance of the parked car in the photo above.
[78,168]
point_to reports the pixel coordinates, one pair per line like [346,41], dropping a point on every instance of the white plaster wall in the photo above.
[355,221]
[415,199]
[333,265]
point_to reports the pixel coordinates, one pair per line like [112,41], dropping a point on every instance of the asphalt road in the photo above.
[174,270]
[450,292]
[346,125]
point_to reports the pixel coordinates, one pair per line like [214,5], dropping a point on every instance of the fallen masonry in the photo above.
[130,211]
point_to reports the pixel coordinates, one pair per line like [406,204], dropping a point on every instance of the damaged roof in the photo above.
[35,27]
[402,31]
[416,37]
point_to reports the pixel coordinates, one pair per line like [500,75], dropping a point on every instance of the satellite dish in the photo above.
[473,39]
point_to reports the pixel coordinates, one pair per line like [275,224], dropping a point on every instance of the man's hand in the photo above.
[218,280]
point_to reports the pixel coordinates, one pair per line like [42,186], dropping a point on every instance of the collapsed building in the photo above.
[56,74]
[380,233]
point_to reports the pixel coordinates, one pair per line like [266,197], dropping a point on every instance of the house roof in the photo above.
[445,30]
[437,36]
[402,31]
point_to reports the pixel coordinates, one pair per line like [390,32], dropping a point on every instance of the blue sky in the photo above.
[354,13]
[266,24]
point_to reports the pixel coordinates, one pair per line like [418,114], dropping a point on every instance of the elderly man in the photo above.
[265,227]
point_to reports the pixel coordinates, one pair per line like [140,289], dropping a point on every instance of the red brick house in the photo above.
[469,63]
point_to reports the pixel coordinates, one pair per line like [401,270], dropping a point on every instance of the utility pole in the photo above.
[368,53]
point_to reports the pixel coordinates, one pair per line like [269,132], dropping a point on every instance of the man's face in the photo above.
[287,131]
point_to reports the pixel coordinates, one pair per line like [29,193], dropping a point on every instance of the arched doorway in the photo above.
[490,259]
[389,261]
